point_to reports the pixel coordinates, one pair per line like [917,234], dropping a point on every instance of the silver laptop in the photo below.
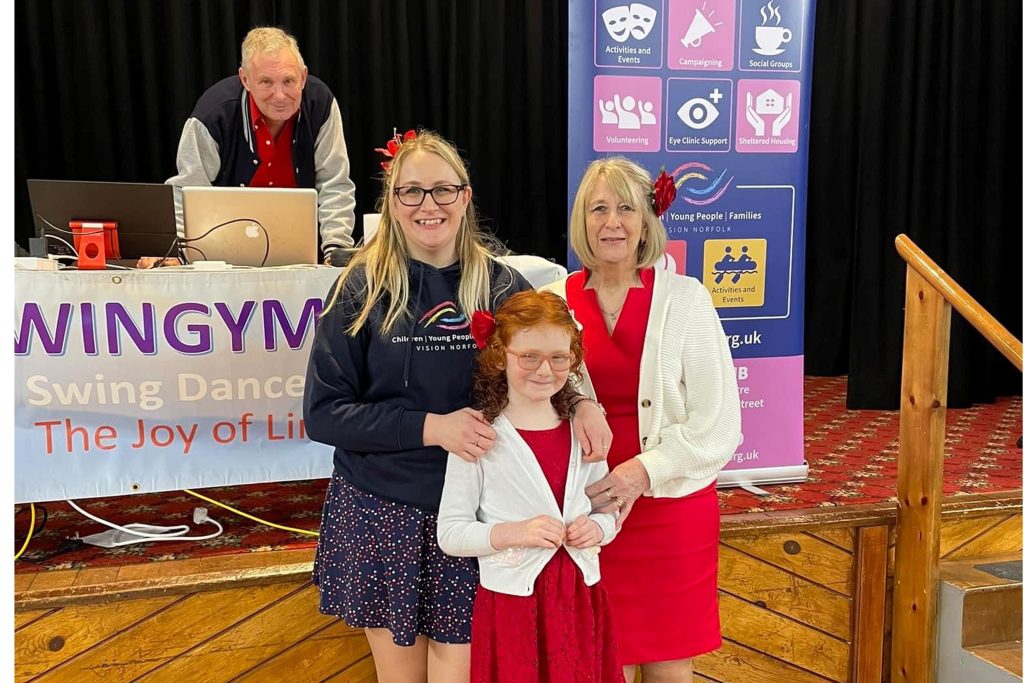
[250,226]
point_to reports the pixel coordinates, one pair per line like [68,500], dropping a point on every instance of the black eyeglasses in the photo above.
[410,195]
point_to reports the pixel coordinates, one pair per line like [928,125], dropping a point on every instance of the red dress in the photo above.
[661,571]
[561,632]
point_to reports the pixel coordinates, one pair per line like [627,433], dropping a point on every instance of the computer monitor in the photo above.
[139,216]
[250,226]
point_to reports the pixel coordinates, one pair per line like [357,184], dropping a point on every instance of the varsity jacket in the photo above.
[507,484]
[217,147]
[688,403]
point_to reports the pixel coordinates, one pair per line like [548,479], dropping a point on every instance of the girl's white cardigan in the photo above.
[507,484]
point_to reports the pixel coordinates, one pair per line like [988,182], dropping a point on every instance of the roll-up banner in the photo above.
[716,93]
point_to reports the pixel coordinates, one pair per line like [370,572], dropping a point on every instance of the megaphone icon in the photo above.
[699,27]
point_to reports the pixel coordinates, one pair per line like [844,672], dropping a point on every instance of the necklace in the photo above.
[612,314]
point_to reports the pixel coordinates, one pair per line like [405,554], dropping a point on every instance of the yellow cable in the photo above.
[247,515]
[31,528]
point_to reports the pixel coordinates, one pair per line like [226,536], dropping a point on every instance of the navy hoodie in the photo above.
[368,395]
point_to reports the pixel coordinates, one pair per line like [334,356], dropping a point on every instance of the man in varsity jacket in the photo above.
[272,125]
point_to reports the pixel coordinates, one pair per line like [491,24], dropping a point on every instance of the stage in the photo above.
[804,572]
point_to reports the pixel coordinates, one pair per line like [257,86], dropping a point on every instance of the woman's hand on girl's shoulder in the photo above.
[464,432]
[592,430]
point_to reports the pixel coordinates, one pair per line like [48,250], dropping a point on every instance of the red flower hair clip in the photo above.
[391,149]
[482,326]
[664,193]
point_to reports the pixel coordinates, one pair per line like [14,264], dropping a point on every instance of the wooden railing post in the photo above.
[871,557]
[919,482]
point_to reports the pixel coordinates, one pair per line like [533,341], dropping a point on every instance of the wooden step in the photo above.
[980,620]
[1006,656]
[992,592]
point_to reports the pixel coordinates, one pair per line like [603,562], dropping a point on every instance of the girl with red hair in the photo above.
[522,507]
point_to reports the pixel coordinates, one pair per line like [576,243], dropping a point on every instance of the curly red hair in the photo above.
[519,312]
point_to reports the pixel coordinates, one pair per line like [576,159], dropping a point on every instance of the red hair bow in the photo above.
[391,149]
[664,193]
[482,326]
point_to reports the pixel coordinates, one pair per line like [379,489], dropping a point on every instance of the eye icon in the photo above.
[697,113]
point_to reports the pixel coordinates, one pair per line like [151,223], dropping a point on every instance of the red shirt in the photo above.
[275,169]
[613,360]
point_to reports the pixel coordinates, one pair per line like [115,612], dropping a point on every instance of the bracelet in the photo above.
[583,399]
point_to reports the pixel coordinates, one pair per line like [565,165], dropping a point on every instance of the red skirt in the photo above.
[661,576]
[560,633]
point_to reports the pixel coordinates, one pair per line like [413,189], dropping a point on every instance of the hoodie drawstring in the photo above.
[412,330]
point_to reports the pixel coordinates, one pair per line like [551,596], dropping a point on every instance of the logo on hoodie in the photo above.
[445,316]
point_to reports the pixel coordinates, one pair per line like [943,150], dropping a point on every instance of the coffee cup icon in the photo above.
[769,38]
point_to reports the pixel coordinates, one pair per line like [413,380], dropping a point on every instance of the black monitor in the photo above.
[143,213]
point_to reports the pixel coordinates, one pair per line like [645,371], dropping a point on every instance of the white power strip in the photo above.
[211,265]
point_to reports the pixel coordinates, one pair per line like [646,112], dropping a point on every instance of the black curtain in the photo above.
[913,129]
[105,86]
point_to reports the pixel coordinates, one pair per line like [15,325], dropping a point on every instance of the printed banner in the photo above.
[141,381]
[154,381]
[717,93]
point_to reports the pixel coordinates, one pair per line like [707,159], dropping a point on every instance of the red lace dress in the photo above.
[661,571]
[561,633]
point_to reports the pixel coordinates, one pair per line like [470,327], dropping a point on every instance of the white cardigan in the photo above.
[507,485]
[688,403]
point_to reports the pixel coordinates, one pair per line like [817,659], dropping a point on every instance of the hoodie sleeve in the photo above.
[333,407]
[506,281]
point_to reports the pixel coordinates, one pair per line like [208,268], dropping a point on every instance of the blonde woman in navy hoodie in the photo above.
[389,384]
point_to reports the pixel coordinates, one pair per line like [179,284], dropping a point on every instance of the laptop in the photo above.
[139,216]
[250,226]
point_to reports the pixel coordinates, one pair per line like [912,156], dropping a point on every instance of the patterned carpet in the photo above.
[851,456]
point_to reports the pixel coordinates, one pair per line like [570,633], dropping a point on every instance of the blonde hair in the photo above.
[267,40]
[632,183]
[385,259]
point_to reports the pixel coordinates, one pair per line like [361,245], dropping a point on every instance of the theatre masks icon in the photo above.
[629,21]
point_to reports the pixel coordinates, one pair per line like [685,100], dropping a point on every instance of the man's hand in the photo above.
[147,262]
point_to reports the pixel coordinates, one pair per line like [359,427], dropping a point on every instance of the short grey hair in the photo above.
[266,40]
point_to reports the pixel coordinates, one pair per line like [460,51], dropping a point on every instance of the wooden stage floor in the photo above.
[804,576]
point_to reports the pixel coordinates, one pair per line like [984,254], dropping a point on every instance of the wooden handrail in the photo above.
[930,297]
[962,302]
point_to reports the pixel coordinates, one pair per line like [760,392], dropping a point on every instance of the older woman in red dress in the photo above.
[658,362]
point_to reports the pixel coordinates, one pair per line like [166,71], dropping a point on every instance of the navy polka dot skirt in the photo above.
[378,565]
